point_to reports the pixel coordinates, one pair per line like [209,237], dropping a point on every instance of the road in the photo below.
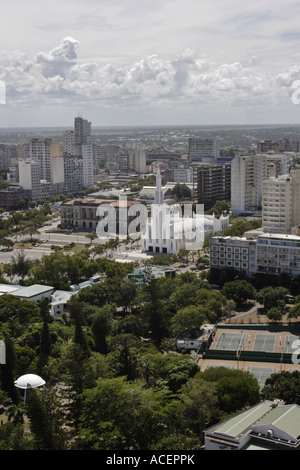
[48,236]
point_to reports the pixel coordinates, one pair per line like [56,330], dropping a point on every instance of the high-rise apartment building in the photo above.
[107,153]
[82,131]
[73,173]
[203,150]
[213,183]
[279,164]
[137,160]
[88,166]
[39,151]
[78,143]
[247,174]
[281,203]
[182,175]
[68,142]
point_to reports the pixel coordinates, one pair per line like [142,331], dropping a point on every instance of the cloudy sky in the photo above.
[149,62]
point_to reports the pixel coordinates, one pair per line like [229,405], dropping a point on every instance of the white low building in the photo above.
[32,293]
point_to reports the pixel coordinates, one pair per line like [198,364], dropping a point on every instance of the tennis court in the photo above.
[261,373]
[231,341]
[288,343]
[264,343]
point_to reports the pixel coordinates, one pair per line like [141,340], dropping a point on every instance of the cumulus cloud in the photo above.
[58,60]
[186,78]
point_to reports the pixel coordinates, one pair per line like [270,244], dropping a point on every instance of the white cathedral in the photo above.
[172,228]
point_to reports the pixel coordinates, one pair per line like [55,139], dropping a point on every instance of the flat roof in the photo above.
[281,236]
[8,288]
[31,291]
[97,202]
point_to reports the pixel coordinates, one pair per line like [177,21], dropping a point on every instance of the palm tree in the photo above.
[295,311]
[20,264]
[15,413]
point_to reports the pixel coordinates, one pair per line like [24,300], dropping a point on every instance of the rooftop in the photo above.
[266,424]
[97,202]
[31,291]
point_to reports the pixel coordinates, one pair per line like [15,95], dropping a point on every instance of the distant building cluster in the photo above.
[42,168]
[263,182]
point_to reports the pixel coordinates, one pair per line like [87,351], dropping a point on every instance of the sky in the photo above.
[149,62]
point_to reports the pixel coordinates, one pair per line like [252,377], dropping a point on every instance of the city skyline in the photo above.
[149,63]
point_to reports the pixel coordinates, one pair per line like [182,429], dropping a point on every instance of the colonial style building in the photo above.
[85,214]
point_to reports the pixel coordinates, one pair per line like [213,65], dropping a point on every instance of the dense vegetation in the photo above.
[113,377]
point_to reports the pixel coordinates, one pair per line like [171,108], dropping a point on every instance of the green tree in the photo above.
[45,419]
[181,191]
[274,314]
[172,371]
[272,297]
[235,388]
[8,370]
[188,320]
[154,310]
[123,354]
[15,413]
[127,294]
[294,311]
[120,415]
[102,326]
[45,342]
[200,402]
[77,317]
[239,291]
[284,386]
[91,237]
[21,264]
[219,207]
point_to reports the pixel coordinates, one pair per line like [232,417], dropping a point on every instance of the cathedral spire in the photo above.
[158,191]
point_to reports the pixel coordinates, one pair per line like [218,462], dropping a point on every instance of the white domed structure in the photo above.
[29,381]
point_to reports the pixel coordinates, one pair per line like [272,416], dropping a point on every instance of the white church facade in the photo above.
[172,228]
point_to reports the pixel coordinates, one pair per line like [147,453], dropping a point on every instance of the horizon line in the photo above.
[153,125]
